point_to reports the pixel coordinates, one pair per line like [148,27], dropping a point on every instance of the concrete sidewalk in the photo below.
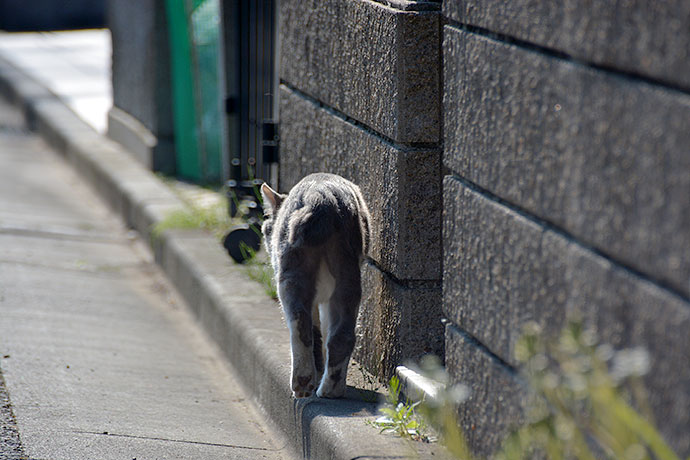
[99,357]
[234,311]
[75,65]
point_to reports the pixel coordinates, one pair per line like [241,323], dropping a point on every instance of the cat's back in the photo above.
[325,191]
[322,206]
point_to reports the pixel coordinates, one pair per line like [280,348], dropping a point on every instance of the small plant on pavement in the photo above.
[211,214]
[259,270]
[400,417]
[213,218]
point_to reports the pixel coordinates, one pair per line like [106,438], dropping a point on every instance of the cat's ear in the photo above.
[272,199]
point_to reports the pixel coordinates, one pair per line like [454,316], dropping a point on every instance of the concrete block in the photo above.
[600,156]
[401,185]
[377,64]
[501,270]
[154,153]
[128,131]
[629,312]
[397,322]
[647,38]
[497,401]
[141,64]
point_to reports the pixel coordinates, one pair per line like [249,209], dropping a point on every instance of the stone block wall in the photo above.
[566,192]
[360,97]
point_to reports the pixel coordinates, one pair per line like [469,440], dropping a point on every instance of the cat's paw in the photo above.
[303,387]
[331,388]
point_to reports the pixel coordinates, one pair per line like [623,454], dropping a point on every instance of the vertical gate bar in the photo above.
[272,173]
[251,153]
[261,78]
[246,154]
[268,95]
[256,55]
[244,88]
[259,88]
[230,28]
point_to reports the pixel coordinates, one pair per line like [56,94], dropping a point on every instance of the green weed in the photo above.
[213,218]
[259,270]
[580,408]
[401,417]
[583,403]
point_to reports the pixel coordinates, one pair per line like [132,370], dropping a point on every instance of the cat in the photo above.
[317,237]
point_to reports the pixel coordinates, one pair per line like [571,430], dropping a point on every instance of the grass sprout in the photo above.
[401,417]
[587,402]
[208,210]
[211,217]
[259,270]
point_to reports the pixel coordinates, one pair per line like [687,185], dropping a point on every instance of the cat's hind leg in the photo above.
[340,341]
[297,306]
[317,347]
[303,376]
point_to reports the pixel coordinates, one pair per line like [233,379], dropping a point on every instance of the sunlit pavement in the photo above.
[99,357]
[74,65]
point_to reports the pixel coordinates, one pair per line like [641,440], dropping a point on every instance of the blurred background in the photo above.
[17,16]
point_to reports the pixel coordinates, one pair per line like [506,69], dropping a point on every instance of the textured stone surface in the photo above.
[501,270]
[648,38]
[377,64]
[603,157]
[10,444]
[497,398]
[628,312]
[401,185]
[397,322]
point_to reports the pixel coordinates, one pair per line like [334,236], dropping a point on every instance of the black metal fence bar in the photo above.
[250,31]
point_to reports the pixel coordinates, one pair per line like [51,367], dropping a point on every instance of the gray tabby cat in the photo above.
[317,237]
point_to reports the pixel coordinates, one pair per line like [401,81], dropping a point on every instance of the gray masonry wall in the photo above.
[566,194]
[552,183]
[374,63]
[360,97]
[649,39]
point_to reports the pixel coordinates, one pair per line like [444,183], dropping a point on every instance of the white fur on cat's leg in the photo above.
[333,381]
[324,323]
[302,377]
[316,322]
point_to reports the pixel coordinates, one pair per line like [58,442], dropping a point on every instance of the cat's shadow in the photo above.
[356,403]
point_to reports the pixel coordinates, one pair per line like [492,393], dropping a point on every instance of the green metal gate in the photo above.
[195,60]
